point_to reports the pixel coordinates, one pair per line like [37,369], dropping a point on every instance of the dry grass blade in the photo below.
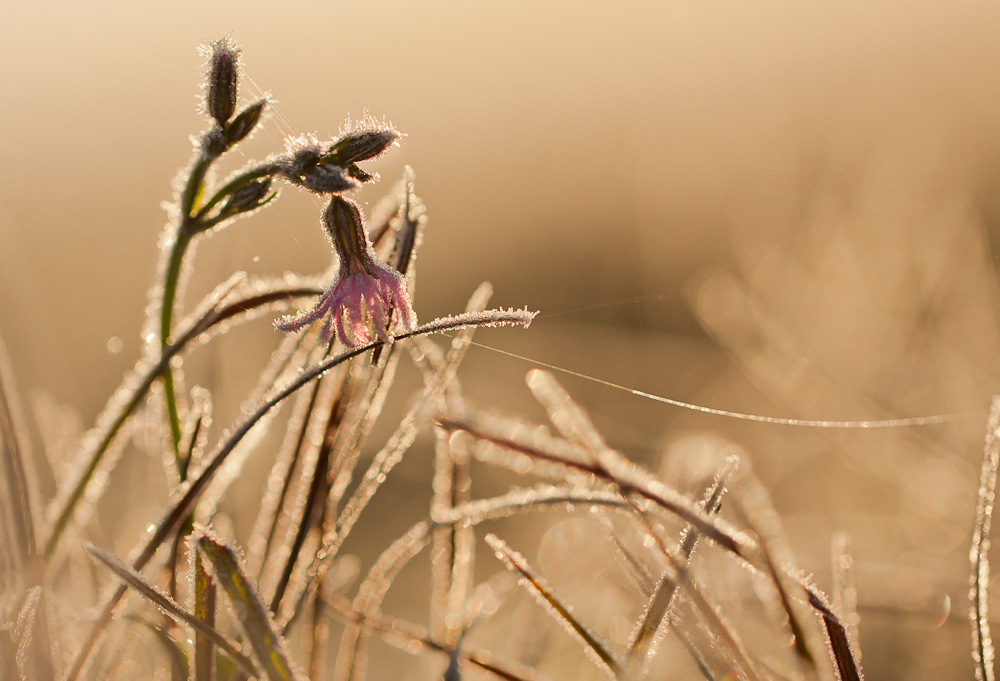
[566,415]
[979,613]
[15,638]
[19,509]
[178,659]
[270,518]
[845,595]
[352,657]
[252,614]
[721,632]
[848,666]
[643,642]
[597,650]
[809,641]
[696,655]
[304,493]
[98,442]
[524,500]
[194,489]
[17,472]
[414,639]
[453,552]
[137,582]
[636,570]
[614,469]
[203,664]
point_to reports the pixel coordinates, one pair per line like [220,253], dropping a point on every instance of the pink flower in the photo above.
[367,299]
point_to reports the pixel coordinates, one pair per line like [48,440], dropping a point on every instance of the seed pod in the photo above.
[223,80]
[245,122]
[327,179]
[247,197]
[364,145]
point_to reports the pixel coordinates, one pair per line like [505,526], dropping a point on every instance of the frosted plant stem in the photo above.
[193,490]
[167,303]
[131,394]
[192,223]
[124,402]
[979,613]
[21,494]
[654,623]
[183,234]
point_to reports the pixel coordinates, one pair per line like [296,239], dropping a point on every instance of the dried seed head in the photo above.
[245,122]
[223,80]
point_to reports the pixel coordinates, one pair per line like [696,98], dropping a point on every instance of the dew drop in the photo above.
[150,528]
[256,258]
[115,345]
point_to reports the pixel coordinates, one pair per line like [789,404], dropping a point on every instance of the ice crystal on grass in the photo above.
[596,649]
[982,641]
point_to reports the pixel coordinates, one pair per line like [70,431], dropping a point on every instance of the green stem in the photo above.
[137,394]
[241,180]
[167,303]
[189,226]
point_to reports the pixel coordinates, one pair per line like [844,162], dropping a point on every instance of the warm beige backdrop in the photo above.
[770,206]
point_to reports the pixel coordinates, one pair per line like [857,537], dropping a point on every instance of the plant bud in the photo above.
[247,197]
[327,179]
[364,145]
[223,79]
[360,175]
[214,142]
[245,122]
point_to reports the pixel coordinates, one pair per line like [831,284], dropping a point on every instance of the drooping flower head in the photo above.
[367,298]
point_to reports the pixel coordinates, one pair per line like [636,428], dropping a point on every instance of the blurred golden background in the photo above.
[773,207]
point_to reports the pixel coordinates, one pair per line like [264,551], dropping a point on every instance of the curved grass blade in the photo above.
[391,454]
[848,665]
[195,487]
[596,650]
[353,644]
[17,471]
[721,632]
[414,639]
[137,582]
[643,641]
[979,613]
[809,641]
[613,468]
[178,659]
[216,309]
[252,615]
[204,611]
